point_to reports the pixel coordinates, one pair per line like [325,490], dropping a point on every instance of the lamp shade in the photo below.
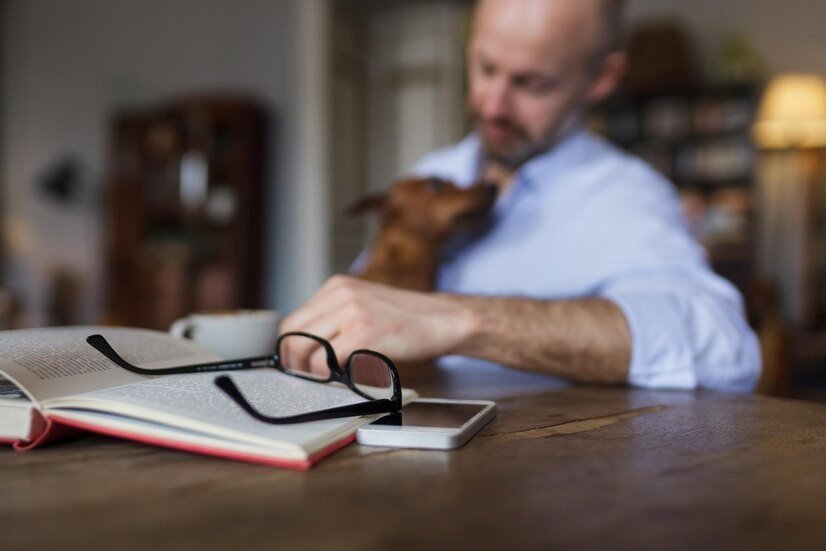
[792,113]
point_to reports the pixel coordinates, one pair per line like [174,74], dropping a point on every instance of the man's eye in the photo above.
[486,69]
[536,87]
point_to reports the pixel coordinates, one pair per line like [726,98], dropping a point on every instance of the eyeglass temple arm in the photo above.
[351,410]
[101,345]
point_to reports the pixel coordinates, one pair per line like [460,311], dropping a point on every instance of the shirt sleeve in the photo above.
[686,333]
[687,324]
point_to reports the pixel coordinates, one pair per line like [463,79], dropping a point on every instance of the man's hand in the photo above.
[404,325]
[584,339]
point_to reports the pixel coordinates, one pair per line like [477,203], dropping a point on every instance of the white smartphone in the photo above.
[429,423]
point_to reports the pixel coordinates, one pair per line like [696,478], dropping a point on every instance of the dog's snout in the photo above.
[491,189]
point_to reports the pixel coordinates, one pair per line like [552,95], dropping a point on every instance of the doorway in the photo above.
[396,93]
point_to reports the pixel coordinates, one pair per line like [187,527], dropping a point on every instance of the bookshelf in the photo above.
[184,206]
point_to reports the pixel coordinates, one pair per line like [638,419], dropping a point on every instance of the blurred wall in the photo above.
[68,65]
[788,34]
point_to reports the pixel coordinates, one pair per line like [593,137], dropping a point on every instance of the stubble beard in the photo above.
[514,155]
[524,149]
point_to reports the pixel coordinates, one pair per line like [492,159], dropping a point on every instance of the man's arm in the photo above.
[585,340]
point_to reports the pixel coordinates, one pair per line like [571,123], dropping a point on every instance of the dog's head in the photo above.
[429,207]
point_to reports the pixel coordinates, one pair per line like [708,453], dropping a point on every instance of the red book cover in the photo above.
[58,429]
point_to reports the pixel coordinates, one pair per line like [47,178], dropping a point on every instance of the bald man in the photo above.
[587,272]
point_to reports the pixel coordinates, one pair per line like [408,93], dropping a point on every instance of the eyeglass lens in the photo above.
[371,375]
[304,356]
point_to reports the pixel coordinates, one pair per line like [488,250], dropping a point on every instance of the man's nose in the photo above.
[497,101]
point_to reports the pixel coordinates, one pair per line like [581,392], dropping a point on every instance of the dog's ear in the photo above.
[373,203]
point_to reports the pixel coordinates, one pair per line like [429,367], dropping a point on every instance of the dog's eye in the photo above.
[435,185]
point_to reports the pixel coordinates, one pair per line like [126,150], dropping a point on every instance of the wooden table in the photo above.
[570,467]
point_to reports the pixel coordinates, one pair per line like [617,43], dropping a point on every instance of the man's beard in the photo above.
[524,148]
[517,153]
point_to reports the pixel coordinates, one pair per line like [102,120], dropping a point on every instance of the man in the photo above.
[587,272]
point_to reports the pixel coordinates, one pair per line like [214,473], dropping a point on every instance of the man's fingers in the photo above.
[295,353]
[318,363]
[332,297]
[327,326]
[324,326]
[343,345]
[353,314]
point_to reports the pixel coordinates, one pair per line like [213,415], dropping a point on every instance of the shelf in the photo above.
[167,259]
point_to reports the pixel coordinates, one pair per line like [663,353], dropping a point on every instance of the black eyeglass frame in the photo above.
[225,383]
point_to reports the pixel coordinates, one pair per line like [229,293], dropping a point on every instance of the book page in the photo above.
[193,402]
[10,391]
[48,363]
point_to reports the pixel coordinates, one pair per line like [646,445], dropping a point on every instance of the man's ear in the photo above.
[608,77]
[373,203]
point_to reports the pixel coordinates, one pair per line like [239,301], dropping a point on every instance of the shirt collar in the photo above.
[568,153]
[571,151]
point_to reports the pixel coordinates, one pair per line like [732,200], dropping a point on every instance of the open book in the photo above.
[55,381]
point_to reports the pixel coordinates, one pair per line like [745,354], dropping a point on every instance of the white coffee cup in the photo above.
[231,333]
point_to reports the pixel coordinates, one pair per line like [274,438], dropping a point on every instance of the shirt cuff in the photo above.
[661,352]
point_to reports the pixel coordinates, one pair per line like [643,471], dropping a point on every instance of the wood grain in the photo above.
[584,467]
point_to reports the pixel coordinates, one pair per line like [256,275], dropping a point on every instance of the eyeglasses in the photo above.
[368,373]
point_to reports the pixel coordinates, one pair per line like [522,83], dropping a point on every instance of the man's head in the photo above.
[534,65]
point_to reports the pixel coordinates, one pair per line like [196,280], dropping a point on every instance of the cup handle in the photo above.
[182,328]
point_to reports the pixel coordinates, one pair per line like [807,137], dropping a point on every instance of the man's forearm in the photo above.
[584,339]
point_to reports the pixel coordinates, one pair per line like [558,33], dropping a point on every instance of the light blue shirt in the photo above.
[587,220]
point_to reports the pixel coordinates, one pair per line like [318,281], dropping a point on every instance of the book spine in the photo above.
[44,432]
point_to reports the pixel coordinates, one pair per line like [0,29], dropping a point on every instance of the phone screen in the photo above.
[430,414]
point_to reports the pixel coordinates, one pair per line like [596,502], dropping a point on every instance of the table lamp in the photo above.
[792,113]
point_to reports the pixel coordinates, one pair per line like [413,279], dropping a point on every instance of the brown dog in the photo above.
[417,216]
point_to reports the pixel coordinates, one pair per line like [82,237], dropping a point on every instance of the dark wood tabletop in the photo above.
[560,467]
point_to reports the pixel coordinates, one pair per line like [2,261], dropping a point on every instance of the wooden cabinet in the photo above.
[184,210]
